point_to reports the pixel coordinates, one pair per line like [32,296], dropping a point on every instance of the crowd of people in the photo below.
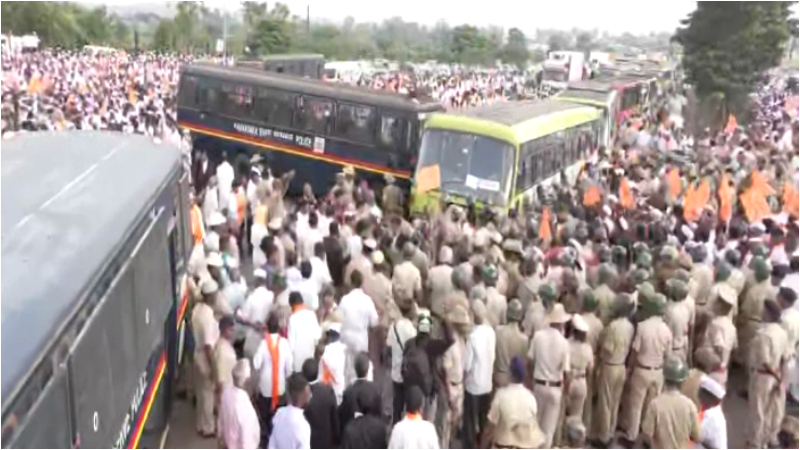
[610,312]
[84,90]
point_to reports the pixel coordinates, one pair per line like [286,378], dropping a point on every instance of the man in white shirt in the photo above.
[332,361]
[358,316]
[478,369]
[413,432]
[255,310]
[291,429]
[308,286]
[225,176]
[400,332]
[238,422]
[309,236]
[273,361]
[713,427]
[303,331]
[320,272]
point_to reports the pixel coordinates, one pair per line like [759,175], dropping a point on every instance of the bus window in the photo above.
[188,91]
[355,122]
[390,133]
[208,97]
[313,114]
[274,107]
[237,101]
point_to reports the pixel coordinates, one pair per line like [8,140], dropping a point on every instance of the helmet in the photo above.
[641,275]
[644,260]
[547,293]
[514,311]
[645,291]
[489,273]
[675,369]
[589,300]
[677,289]
[722,272]
[761,268]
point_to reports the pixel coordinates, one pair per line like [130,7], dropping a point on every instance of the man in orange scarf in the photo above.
[273,361]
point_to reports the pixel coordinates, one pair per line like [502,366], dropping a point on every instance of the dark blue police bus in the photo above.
[95,240]
[306,125]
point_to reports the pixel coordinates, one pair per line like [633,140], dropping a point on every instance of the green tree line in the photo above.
[728,47]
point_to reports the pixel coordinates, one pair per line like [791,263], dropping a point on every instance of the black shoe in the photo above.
[625,442]
[597,443]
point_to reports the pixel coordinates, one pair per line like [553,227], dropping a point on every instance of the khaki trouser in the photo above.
[448,418]
[548,401]
[204,392]
[766,405]
[746,333]
[645,384]
[576,397]
[610,383]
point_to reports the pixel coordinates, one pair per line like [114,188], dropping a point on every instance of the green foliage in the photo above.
[728,46]
[584,43]
[270,32]
[165,38]
[64,24]
[516,49]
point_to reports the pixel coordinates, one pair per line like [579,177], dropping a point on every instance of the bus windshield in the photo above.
[471,165]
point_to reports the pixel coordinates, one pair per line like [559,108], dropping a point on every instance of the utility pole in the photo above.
[225,36]
[308,20]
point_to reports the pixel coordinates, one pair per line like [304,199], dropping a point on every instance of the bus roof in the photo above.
[76,196]
[292,57]
[311,86]
[516,122]
[586,96]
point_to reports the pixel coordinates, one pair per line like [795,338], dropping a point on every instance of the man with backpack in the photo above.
[400,332]
[419,360]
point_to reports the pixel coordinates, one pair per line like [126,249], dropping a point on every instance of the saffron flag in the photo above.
[732,124]
[791,199]
[625,195]
[724,194]
[428,178]
[592,196]
[755,205]
[544,226]
[758,182]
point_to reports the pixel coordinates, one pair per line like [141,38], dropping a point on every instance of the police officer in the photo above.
[510,341]
[671,420]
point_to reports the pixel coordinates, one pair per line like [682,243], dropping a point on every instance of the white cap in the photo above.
[579,324]
[712,387]
[260,273]
[211,242]
[214,259]
[377,257]
[209,286]
[370,243]
[216,219]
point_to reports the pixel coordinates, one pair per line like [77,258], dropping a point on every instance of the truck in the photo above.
[561,68]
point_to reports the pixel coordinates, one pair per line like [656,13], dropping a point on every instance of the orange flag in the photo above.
[428,178]
[732,124]
[689,202]
[674,183]
[755,205]
[592,196]
[758,182]
[791,199]
[724,194]
[625,195]
[544,226]
[703,193]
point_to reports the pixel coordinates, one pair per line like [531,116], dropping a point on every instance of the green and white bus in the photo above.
[497,155]
[601,95]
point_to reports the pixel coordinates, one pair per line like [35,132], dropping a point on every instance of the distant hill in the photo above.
[140,11]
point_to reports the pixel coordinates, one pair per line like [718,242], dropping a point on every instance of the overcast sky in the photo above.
[616,16]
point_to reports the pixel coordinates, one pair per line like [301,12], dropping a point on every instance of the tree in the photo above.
[727,47]
[557,42]
[186,19]
[165,37]
[470,46]
[516,48]
[272,33]
[254,12]
[584,43]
